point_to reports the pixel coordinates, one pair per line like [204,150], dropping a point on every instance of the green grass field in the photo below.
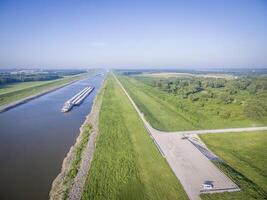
[126,163]
[20,86]
[168,112]
[245,156]
[14,92]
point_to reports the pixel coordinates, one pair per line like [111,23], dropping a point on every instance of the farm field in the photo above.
[170,111]
[126,163]
[13,92]
[245,157]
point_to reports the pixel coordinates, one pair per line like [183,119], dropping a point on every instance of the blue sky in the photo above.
[182,34]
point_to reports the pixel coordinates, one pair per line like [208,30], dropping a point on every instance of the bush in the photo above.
[225,98]
[255,109]
[252,89]
[193,98]
[225,114]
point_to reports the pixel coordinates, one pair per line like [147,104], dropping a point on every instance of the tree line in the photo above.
[7,78]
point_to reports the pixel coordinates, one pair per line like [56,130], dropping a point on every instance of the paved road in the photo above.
[189,158]
[226,130]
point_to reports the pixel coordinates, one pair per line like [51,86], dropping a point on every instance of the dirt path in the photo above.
[189,158]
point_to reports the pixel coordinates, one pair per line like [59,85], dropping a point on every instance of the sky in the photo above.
[133,34]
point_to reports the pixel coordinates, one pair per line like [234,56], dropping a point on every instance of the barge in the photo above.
[77,99]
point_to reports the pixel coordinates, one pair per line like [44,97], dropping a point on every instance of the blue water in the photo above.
[34,139]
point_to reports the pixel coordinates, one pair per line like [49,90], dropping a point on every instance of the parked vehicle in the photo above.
[207,185]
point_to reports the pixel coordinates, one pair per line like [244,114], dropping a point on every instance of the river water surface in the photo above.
[34,139]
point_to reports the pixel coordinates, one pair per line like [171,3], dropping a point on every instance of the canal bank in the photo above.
[35,138]
[66,184]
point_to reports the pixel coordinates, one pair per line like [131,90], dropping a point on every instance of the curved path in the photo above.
[189,158]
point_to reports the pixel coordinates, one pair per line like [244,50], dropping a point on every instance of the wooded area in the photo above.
[249,91]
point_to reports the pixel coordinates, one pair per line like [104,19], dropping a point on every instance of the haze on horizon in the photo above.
[79,33]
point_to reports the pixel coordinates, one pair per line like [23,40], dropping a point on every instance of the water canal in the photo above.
[34,139]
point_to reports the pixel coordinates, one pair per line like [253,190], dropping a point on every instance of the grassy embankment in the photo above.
[126,163]
[168,112]
[14,92]
[246,158]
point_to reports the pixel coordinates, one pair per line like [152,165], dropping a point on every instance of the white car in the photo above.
[207,186]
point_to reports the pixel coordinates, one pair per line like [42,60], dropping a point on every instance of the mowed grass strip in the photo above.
[126,163]
[14,92]
[245,156]
[161,114]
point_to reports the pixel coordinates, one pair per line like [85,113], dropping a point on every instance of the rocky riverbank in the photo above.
[61,187]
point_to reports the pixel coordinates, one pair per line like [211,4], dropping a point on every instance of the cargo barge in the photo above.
[77,99]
